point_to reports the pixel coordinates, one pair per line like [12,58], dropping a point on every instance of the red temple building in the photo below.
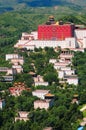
[53,31]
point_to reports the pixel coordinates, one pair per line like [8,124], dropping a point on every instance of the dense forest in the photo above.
[63,115]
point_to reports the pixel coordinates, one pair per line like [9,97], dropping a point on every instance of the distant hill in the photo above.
[7,5]
[42,2]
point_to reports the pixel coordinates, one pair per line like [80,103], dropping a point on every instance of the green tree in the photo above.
[51,77]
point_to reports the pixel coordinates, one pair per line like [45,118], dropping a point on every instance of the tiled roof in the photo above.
[49,95]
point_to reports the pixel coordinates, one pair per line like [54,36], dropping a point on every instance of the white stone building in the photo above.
[31,44]
[59,65]
[18,68]
[11,56]
[22,115]
[17,61]
[80,33]
[65,68]
[66,56]
[40,93]
[62,73]
[39,81]
[53,61]
[27,36]
[9,71]
[43,104]
[73,79]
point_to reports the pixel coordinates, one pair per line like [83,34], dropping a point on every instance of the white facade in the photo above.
[78,49]
[72,80]
[69,72]
[65,72]
[80,33]
[52,61]
[65,68]
[59,65]
[60,74]
[40,93]
[11,56]
[31,41]
[10,72]
[30,44]
[41,83]
[35,34]
[67,43]
[84,42]
[27,36]
[18,68]
[16,61]
[22,115]
[66,56]
[43,104]
[6,79]
[29,47]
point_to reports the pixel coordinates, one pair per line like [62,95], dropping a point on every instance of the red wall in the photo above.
[55,32]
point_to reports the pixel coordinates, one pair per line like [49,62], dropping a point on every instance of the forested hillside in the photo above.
[7,5]
[12,24]
[42,2]
[63,115]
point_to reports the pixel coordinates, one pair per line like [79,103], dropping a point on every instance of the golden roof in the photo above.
[51,16]
[75,95]
[49,95]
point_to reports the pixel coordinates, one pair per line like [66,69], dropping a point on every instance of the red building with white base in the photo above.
[55,30]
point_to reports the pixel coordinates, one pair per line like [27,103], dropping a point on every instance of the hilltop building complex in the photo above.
[54,34]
